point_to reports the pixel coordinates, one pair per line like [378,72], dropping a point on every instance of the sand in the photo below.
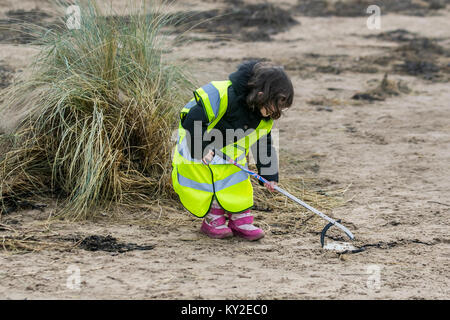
[392,155]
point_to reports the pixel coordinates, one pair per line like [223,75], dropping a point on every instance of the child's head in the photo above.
[270,90]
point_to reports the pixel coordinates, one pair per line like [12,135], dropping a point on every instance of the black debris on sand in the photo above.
[358,8]
[6,75]
[416,56]
[398,35]
[108,243]
[249,22]
[425,58]
[22,26]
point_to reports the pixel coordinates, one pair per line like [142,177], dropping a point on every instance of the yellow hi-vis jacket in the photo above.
[196,183]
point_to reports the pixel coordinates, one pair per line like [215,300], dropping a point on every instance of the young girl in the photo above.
[232,116]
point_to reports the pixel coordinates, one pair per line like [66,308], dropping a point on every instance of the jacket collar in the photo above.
[240,78]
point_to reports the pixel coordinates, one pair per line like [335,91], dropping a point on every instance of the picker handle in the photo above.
[287,194]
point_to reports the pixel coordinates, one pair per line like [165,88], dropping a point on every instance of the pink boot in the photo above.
[242,225]
[214,224]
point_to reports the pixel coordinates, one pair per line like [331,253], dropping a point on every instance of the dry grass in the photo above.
[386,88]
[99,130]
[31,239]
[325,101]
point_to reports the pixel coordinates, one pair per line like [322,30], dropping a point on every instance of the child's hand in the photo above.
[208,157]
[271,185]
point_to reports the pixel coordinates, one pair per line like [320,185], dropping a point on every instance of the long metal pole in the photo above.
[287,194]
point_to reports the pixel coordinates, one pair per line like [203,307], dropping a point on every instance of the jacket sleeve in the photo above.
[196,123]
[266,158]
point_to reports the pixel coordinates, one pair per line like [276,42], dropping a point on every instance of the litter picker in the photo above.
[331,221]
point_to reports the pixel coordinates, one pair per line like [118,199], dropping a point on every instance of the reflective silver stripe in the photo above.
[217,160]
[190,104]
[220,160]
[230,180]
[186,182]
[242,156]
[218,185]
[214,97]
[183,150]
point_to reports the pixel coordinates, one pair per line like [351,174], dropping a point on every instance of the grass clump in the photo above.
[386,88]
[101,104]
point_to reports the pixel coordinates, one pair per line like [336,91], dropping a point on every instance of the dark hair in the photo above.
[275,85]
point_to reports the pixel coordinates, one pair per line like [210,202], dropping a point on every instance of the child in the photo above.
[231,116]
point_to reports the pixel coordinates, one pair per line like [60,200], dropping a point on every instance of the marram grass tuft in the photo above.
[101,104]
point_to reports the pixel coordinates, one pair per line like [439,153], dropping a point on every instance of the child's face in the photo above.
[269,111]
[265,112]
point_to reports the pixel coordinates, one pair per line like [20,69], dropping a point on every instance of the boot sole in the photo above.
[249,238]
[217,236]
